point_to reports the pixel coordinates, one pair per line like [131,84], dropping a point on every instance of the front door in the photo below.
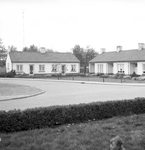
[31,69]
[63,69]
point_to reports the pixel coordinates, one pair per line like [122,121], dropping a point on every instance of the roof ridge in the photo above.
[123,51]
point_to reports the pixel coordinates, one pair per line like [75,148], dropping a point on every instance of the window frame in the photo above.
[100,68]
[54,67]
[120,68]
[19,68]
[73,68]
[41,67]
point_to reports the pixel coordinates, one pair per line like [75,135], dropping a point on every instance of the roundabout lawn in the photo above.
[11,90]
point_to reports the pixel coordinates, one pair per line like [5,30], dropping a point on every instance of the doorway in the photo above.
[63,69]
[31,69]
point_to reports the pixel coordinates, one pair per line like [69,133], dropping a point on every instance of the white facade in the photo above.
[42,68]
[117,67]
[141,67]
[47,67]
[121,66]
[101,67]
[8,64]
[25,68]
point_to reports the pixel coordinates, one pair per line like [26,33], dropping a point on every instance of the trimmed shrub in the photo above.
[115,76]
[104,76]
[72,74]
[53,116]
[134,75]
[141,78]
[126,77]
[99,74]
[21,75]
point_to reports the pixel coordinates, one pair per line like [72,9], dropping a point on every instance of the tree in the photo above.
[78,52]
[25,49]
[12,48]
[3,54]
[84,55]
[32,48]
[89,54]
[2,47]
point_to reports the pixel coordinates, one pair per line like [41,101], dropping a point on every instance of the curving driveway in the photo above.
[64,93]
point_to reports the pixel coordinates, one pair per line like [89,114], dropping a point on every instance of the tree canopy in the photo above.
[12,48]
[3,54]
[32,48]
[84,55]
[2,47]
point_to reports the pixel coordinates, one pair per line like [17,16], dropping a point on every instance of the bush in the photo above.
[104,76]
[72,74]
[115,76]
[110,73]
[126,77]
[10,74]
[3,74]
[23,75]
[99,74]
[53,116]
[141,78]
[134,75]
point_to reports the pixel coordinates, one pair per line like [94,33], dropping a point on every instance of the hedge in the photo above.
[10,74]
[17,120]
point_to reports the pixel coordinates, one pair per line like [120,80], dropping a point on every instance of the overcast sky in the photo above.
[60,24]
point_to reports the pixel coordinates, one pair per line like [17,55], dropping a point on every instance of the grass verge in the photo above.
[13,89]
[93,135]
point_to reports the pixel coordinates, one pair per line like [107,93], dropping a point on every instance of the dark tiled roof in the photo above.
[122,56]
[37,57]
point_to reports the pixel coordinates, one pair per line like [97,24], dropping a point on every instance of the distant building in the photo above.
[42,63]
[120,61]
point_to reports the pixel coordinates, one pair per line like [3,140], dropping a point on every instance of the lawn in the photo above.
[92,135]
[93,79]
[99,79]
[13,89]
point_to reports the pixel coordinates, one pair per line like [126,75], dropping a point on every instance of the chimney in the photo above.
[141,46]
[42,50]
[102,50]
[118,48]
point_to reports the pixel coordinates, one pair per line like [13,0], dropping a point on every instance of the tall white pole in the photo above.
[23,30]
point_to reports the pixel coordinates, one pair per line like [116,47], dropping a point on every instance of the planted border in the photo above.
[17,120]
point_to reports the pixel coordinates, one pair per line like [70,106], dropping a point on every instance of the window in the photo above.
[54,68]
[100,68]
[143,68]
[19,68]
[73,68]
[120,68]
[42,68]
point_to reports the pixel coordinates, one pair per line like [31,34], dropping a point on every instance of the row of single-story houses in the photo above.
[119,61]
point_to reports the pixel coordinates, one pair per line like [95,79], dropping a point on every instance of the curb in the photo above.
[81,82]
[9,98]
[100,83]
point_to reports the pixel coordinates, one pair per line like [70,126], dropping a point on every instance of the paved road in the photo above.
[62,93]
